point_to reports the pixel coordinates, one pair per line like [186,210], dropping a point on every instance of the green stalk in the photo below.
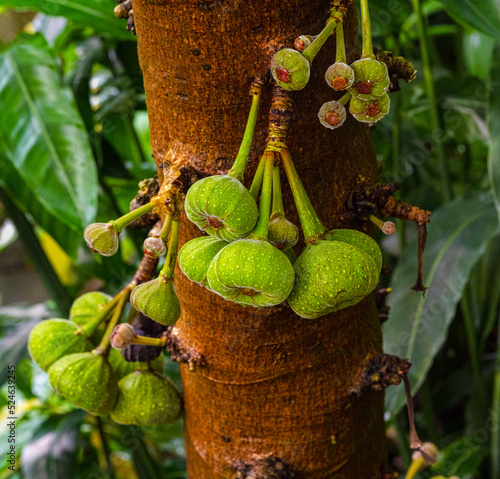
[261,229]
[89,329]
[278,209]
[367,31]
[169,267]
[257,179]
[110,472]
[344,99]
[165,228]
[146,341]
[36,253]
[104,345]
[431,93]
[313,49]
[126,219]
[311,224]
[238,169]
[495,415]
[340,55]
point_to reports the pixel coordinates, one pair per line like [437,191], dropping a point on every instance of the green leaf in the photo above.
[97,13]
[464,456]
[494,135]
[45,157]
[478,53]
[418,325]
[483,16]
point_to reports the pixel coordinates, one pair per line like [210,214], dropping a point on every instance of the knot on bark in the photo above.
[270,467]
[381,372]
[180,352]
[147,189]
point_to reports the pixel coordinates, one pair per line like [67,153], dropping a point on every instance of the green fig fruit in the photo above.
[340,76]
[102,238]
[147,398]
[157,300]
[371,79]
[290,254]
[370,111]
[332,275]
[290,69]
[332,114]
[196,255]
[282,233]
[52,339]
[222,207]
[122,367]
[251,272]
[87,306]
[87,380]
[154,247]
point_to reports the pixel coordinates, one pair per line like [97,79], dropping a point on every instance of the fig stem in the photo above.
[261,230]
[173,243]
[387,227]
[340,56]
[311,224]
[257,179]
[145,341]
[89,329]
[278,209]
[367,51]
[313,49]
[238,169]
[123,297]
[125,220]
[344,99]
[165,228]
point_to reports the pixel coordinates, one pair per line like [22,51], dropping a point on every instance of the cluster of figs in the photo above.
[366,80]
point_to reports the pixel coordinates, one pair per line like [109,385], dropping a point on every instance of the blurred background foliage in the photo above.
[74,143]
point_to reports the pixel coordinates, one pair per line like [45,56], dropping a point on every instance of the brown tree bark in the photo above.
[274,385]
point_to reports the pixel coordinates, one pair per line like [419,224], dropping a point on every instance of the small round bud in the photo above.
[282,234]
[302,42]
[428,451]
[370,111]
[154,247]
[102,238]
[122,336]
[371,79]
[388,228]
[332,114]
[339,76]
[290,69]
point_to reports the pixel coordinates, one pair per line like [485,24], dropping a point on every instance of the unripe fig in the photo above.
[290,254]
[332,114]
[102,238]
[86,380]
[370,111]
[154,247]
[196,255]
[52,339]
[282,233]
[122,367]
[302,42]
[371,79]
[332,275]
[222,207]
[147,398]
[157,300]
[290,69]
[251,272]
[86,306]
[339,76]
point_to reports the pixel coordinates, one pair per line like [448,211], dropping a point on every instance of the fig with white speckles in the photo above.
[196,255]
[147,398]
[290,69]
[222,206]
[87,380]
[251,272]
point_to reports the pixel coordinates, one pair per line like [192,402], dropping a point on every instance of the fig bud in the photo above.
[102,238]
[282,234]
[147,398]
[340,76]
[332,114]
[157,300]
[86,380]
[122,336]
[290,69]
[154,247]
[370,111]
[52,339]
[371,79]
[302,42]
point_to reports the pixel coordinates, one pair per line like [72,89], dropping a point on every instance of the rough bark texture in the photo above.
[274,384]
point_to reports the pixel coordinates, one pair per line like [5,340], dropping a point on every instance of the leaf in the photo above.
[97,13]
[464,456]
[494,135]
[478,53]
[418,325]
[483,16]
[45,157]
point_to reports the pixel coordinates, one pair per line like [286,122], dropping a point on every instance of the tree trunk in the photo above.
[275,385]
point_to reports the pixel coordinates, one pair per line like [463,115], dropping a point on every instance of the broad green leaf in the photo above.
[97,13]
[418,324]
[494,135]
[478,53]
[464,456]
[45,157]
[481,15]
